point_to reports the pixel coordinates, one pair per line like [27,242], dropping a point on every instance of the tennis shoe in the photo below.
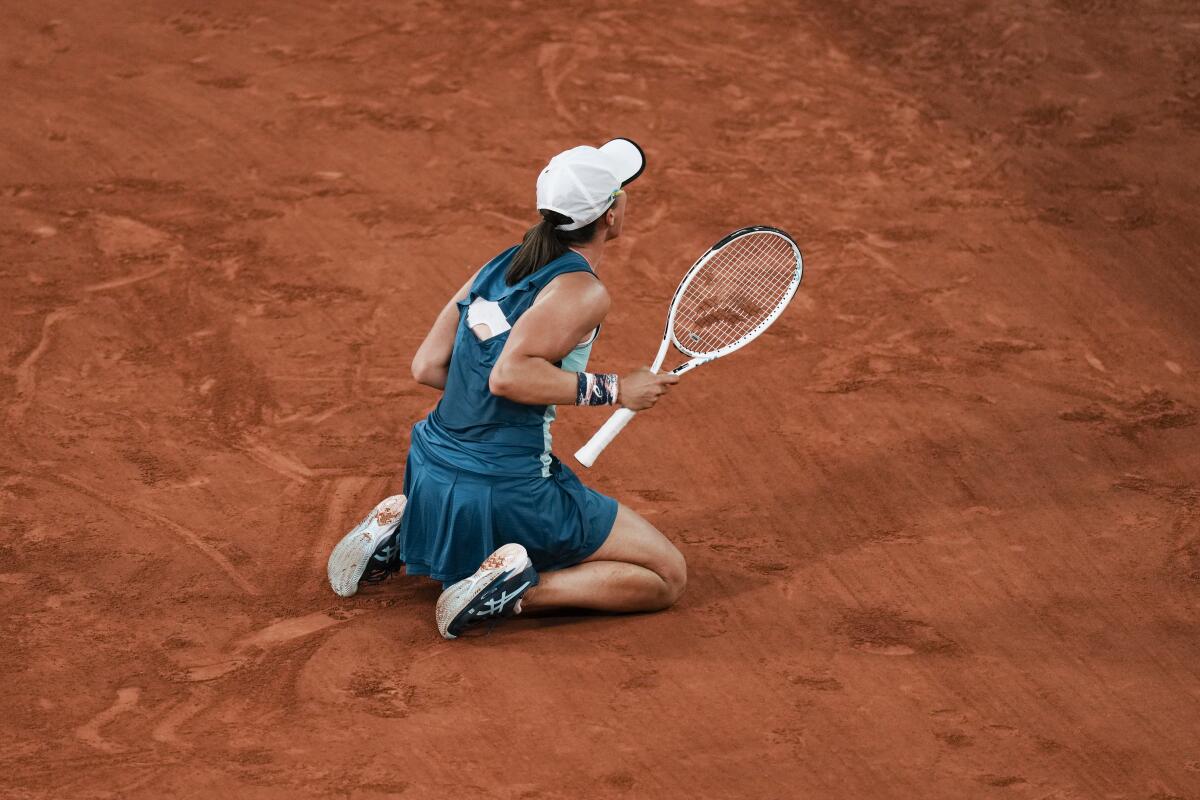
[493,592]
[368,552]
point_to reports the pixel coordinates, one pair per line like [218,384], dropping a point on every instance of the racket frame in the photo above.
[588,454]
[703,358]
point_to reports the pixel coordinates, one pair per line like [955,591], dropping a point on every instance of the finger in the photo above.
[668,378]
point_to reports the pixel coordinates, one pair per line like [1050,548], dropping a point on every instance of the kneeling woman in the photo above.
[480,479]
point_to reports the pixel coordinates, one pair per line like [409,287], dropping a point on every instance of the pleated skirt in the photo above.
[455,518]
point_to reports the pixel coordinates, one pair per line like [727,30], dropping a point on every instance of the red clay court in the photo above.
[942,520]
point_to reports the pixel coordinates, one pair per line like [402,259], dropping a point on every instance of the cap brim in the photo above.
[627,159]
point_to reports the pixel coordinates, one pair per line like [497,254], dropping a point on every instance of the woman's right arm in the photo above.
[564,313]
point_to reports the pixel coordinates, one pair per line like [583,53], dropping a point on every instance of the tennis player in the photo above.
[486,507]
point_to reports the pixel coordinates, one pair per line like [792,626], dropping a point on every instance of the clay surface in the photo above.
[942,520]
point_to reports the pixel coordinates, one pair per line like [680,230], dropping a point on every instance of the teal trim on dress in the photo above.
[575,361]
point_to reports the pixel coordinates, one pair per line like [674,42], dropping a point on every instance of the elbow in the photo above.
[500,382]
[418,370]
[423,371]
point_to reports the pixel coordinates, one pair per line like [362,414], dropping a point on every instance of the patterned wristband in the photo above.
[596,390]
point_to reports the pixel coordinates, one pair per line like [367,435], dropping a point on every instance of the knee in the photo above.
[674,576]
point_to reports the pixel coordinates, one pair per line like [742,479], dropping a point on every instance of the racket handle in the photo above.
[588,454]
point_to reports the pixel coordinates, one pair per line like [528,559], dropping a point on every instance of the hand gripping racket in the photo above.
[725,301]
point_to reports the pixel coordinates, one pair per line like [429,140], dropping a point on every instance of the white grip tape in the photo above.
[588,454]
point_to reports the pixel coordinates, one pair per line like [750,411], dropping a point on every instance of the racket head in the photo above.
[734,292]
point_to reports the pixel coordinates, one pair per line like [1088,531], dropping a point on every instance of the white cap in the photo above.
[581,183]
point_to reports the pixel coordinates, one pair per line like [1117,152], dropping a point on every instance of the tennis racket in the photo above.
[725,301]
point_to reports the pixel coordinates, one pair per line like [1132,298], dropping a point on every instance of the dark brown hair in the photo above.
[543,243]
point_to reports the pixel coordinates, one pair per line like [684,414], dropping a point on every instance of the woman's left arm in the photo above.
[431,364]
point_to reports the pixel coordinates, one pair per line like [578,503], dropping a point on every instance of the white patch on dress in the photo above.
[487,313]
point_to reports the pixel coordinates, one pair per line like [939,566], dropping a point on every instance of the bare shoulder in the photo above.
[582,290]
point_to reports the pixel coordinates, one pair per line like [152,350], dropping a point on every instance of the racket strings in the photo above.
[734,292]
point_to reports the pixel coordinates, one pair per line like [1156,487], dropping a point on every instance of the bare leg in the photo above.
[636,569]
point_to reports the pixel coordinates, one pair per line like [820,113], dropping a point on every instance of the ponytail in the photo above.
[544,242]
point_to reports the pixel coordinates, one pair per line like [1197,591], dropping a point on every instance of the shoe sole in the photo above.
[350,557]
[445,618]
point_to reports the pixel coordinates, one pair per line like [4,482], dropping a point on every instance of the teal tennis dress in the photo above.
[480,473]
